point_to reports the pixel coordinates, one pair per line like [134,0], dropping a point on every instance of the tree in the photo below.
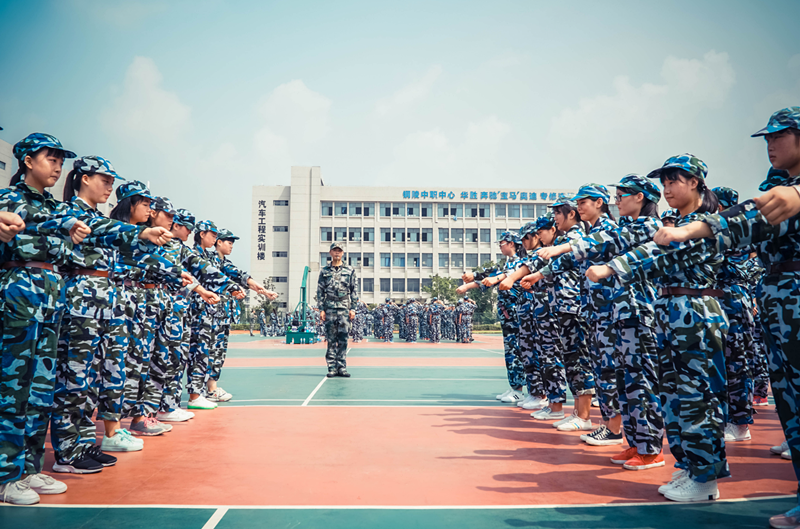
[443,288]
[486,301]
[262,303]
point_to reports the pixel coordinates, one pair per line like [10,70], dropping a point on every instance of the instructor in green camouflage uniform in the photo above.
[337,295]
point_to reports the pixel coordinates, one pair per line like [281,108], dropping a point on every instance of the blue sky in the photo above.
[205,99]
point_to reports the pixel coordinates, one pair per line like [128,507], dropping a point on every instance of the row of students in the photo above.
[95,316]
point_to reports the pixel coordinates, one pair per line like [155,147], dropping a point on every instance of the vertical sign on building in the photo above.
[261,244]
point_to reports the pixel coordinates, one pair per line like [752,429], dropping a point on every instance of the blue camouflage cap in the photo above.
[163,204]
[388,300]
[788,118]
[670,214]
[95,165]
[529,228]
[206,225]
[567,200]
[545,222]
[132,189]
[775,178]
[36,141]
[640,184]
[727,197]
[593,191]
[688,162]
[185,219]
[509,236]
[226,235]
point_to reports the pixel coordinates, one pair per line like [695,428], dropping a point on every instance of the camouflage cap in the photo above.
[775,178]
[388,300]
[185,219]
[566,200]
[640,184]
[509,236]
[727,197]
[206,225]
[132,189]
[466,297]
[670,214]
[226,235]
[460,301]
[688,162]
[434,298]
[545,222]
[337,244]
[36,141]
[95,165]
[593,191]
[163,204]
[529,228]
[788,118]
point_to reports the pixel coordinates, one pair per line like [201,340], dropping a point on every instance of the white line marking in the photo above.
[308,399]
[268,400]
[367,367]
[398,507]
[420,379]
[215,518]
[495,352]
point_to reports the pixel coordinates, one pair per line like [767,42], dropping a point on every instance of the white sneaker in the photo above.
[219,395]
[172,416]
[44,484]
[121,441]
[526,400]
[736,432]
[201,403]
[502,395]
[778,450]
[787,455]
[513,397]
[546,414]
[677,476]
[691,490]
[595,402]
[536,403]
[18,493]
[565,419]
[575,424]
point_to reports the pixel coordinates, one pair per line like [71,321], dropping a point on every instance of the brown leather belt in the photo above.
[695,292]
[29,264]
[788,266]
[87,272]
[137,284]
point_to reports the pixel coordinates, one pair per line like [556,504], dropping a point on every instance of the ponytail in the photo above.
[72,185]
[197,238]
[17,178]
[605,209]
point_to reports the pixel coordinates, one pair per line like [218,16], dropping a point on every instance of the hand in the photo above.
[270,294]
[158,236]
[79,232]
[186,279]
[461,290]
[597,273]
[778,204]
[468,277]
[352,315]
[322,315]
[10,225]
[238,294]
[531,279]
[490,281]
[553,251]
[506,284]
[209,297]
[664,236]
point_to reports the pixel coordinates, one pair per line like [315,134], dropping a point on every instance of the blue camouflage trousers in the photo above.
[141,314]
[528,351]
[202,335]
[219,351]
[758,360]
[547,337]
[691,343]
[739,348]
[413,328]
[168,362]
[173,392]
[578,365]
[509,323]
[90,374]
[605,358]
[435,332]
[637,384]
[780,316]
[27,381]
[337,328]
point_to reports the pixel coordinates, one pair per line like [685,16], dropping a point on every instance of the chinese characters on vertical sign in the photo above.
[261,235]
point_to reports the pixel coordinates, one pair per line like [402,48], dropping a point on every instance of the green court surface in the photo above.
[386,352]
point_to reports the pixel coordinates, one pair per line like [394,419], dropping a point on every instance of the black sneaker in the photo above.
[104,459]
[83,464]
[605,438]
[343,373]
[331,373]
[599,430]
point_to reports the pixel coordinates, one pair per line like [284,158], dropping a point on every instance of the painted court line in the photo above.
[215,518]
[495,352]
[426,379]
[308,399]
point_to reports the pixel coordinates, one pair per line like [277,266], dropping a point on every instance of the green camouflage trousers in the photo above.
[337,328]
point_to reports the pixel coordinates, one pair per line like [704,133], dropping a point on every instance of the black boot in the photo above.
[331,373]
[343,372]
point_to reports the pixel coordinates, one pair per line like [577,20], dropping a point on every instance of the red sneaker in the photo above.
[644,461]
[623,458]
[760,401]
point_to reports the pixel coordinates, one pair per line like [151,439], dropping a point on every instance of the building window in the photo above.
[280,279]
[386,209]
[427,234]
[339,234]
[280,254]
[427,282]
[386,259]
[369,234]
[426,210]
[399,260]
[472,235]
[472,260]
[483,210]
[385,284]
[444,210]
[355,209]
[457,260]
[369,209]
[274,202]
[386,235]
[457,235]
[499,259]
[368,260]
[398,285]
[341,209]
[282,305]
[326,234]
[398,210]
[355,235]
[541,210]
[500,232]
[472,211]
[513,211]
[614,210]
[399,235]
[486,235]
[427,260]
[444,260]
[368,285]
[412,210]
[457,210]
[327,209]
[528,211]
[444,235]
[413,285]
[500,211]
[324,258]
[354,259]
[413,235]
[280,228]
[413,260]
[485,258]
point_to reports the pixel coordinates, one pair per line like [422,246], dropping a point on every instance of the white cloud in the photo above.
[408,95]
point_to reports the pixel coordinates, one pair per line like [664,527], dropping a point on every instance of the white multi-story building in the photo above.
[395,237]
[7,164]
